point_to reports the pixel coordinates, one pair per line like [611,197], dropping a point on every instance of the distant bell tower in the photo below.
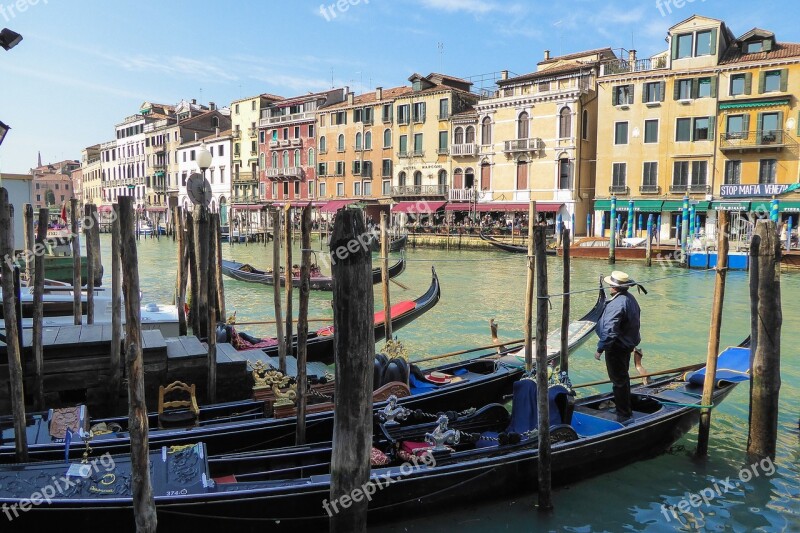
[40,159]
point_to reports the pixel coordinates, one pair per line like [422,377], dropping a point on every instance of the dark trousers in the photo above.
[617,364]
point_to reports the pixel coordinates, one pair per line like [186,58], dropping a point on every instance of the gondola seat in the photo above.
[525,413]
[177,413]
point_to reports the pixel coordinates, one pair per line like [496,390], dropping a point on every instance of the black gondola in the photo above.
[514,249]
[428,467]
[238,426]
[395,245]
[250,274]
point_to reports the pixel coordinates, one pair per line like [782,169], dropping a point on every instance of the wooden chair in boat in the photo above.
[177,413]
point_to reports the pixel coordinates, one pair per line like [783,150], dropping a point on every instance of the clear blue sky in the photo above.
[84,65]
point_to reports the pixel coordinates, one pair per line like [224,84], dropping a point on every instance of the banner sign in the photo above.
[759,189]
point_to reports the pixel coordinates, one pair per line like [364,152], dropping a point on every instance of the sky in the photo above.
[85,65]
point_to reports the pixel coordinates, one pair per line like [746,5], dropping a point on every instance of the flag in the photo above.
[67,441]
[64,212]
[791,188]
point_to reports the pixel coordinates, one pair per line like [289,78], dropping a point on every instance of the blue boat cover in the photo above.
[733,366]
[587,425]
[418,386]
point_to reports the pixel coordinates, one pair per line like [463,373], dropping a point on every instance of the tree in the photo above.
[50,197]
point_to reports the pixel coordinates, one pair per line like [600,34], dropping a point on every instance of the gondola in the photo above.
[511,247]
[417,467]
[320,342]
[241,426]
[250,274]
[395,245]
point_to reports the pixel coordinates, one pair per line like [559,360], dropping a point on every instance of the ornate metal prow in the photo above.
[441,436]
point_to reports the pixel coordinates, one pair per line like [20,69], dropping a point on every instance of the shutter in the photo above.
[713,86]
[712,122]
[675,89]
[674,44]
[662,90]
[614,96]
[762,81]
[695,87]
[714,41]
[644,93]
[748,82]
[780,125]
[798,123]
[759,127]
[784,79]
[630,93]
[746,125]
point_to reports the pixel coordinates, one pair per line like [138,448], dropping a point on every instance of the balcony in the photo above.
[297,142]
[160,149]
[699,188]
[420,190]
[442,151]
[288,173]
[286,143]
[621,190]
[274,143]
[446,116]
[403,155]
[243,177]
[649,189]
[387,119]
[523,145]
[419,118]
[678,188]
[281,119]
[252,132]
[403,120]
[756,140]
[461,195]
[464,150]
[620,66]
[366,172]
[236,134]
[418,153]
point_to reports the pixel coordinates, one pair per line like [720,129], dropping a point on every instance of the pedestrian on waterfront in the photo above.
[618,329]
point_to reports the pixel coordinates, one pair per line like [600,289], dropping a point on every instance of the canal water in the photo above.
[480,285]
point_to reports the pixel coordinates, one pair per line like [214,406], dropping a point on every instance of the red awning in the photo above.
[457,207]
[421,206]
[156,209]
[247,207]
[541,207]
[105,208]
[334,205]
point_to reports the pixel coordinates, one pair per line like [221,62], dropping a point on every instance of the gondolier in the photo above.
[618,329]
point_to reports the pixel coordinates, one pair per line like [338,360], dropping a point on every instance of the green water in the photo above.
[479,285]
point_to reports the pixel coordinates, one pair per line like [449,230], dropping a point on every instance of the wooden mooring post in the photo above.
[218,271]
[144,509]
[529,288]
[28,237]
[612,234]
[88,224]
[182,274]
[77,312]
[355,349]
[13,345]
[648,253]
[97,256]
[723,231]
[200,307]
[190,239]
[542,303]
[765,339]
[387,303]
[302,324]
[276,288]
[211,269]
[115,362]
[287,228]
[565,302]
[38,311]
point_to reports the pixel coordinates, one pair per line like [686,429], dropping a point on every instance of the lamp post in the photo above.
[9,39]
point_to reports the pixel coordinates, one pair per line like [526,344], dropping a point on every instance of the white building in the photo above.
[218,174]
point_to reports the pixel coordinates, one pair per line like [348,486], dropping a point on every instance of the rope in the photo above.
[579,291]
[694,405]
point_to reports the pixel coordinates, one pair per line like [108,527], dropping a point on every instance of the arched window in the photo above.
[458,179]
[323,145]
[418,178]
[470,135]
[285,159]
[564,173]
[387,138]
[442,180]
[565,123]
[458,136]
[340,144]
[402,179]
[585,125]
[297,158]
[311,161]
[262,160]
[358,141]
[215,122]
[486,131]
[274,159]
[522,125]
[368,141]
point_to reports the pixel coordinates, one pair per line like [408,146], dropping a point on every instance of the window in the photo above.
[735,127]
[443,142]
[703,45]
[297,158]
[564,173]
[683,90]
[444,109]
[402,114]
[684,46]
[699,172]
[322,169]
[323,190]
[419,112]
[387,138]
[367,188]
[766,172]
[650,174]
[356,167]
[653,92]
[341,118]
[321,120]
[262,136]
[470,135]
[274,135]
[683,130]
[621,133]
[486,131]
[357,188]
[544,86]
[285,133]
[523,123]
[622,95]
[311,130]
[311,159]
[403,145]
[680,173]
[221,150]
[386,187]
[772,81]
[418,178]
[340,189]
[340,143]
[357,115]
[340,168]
[585,125]
[651,131]
[236,109]
[701,129]
[733,172]
[368,141]
[618,174]
[262,160]
[704,88]
[386,113]
[285,159]
[211,175]
[323,145]
[296,132]
[274,160]
[401,179]
[386,168]
[359,143]
[418,144]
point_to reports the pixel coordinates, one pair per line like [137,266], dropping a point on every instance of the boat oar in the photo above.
[398,283]
[660,373]
[460,352]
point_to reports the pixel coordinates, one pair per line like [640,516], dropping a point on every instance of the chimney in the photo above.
[212,106]
[547,55]
[350,98]
[379,93]
[194,100]
[216,132]
[195,136]
[631,57]
[503,74]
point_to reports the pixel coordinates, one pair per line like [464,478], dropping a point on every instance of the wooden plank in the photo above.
[175,348]
[193,346]
[68,335]
[153,340]
[49,335]
[91,333]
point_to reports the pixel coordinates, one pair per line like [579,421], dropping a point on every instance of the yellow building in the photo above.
[245,118]
[537,139]
[709,113]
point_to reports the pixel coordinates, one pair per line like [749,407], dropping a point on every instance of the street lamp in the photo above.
[9,39]
[3,130]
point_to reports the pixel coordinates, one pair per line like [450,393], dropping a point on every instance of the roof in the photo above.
[734,53]
[371,98]
[211,137]
[446,77]
[549,72]
[597,51]
[756,32]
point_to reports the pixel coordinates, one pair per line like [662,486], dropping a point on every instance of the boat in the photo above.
[628,249]
[241,426]
[416,467]
[395,245]
[250,274]
[514,249]
[145,227]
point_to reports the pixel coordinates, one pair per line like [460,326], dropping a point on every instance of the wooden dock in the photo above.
[76,367]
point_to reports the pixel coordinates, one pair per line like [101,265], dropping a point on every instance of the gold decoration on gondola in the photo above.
[284,398]
[395,349]
[265,376]
[179,448]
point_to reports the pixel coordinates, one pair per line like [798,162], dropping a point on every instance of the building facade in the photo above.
[247,139]
[91,175]
[218,174]
[52,184]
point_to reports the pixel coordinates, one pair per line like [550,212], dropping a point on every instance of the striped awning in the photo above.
[749,104]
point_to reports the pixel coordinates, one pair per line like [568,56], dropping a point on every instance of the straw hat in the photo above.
[619,279]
